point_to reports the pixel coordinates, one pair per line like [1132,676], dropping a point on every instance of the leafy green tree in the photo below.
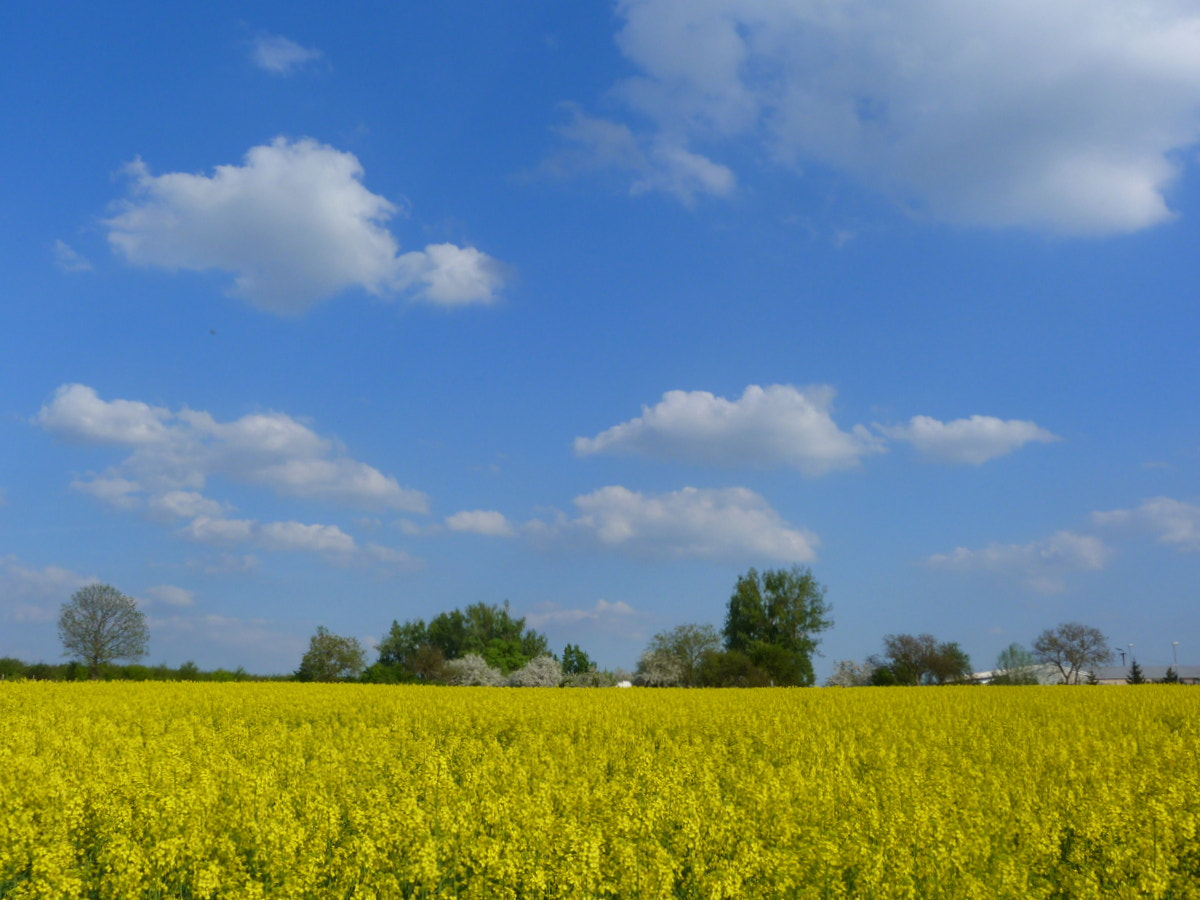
[400,648]
[776,618]
[415,651]
[100,624]
[731,668]
[686,645]
[490,631]
[1015,665]
[1072,648]
[920,659]
[1171,677]
[331,657]
[575,661]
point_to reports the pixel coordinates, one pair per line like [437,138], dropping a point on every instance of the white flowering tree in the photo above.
[542,671]
[473,670]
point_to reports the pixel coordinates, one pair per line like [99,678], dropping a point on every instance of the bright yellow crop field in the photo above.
[126,791]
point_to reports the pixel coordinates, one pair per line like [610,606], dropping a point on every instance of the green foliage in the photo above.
[1171,676]
[731,668]
[775,618]
[920,659]
[415,651]
[1015,665]
[679,651]
[75,671]
[100,624]
[591,678]
[1136,676]
[331,657]
[575,661]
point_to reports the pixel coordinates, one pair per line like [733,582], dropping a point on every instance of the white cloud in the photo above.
[971,441]
[328,541]
[1172,521]
[171,595]
[209,530]
[1041,565]
[182,504]
[281,56]
[1065,116]
[727,524]
[656,164]
[774,426]
[481,521]
[449,275]
[603,614]
[393,558]
[295,226]
[69,260]
[307,538]
[35,595]
[175,453]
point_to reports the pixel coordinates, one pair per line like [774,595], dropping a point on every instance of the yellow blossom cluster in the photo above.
[127,791]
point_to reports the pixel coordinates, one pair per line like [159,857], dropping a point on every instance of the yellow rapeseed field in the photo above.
[128,791]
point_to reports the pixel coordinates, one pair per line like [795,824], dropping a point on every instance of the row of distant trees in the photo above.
[773,624]
[1070,651]
[772,627]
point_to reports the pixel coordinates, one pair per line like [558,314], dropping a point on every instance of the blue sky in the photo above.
[319,316]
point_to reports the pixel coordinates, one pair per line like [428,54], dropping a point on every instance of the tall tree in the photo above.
[680,650]
[1015,665]
[100,624]
[575,661]
[331,657]
[1136,675]
[1072,648]
[416,651]
[776,618]
[920,659]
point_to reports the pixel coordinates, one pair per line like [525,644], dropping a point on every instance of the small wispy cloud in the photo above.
[1171,521]
[70,260]
[279,55]
[1040,565]
[971,441]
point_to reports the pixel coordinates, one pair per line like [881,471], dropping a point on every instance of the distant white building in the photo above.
[1118,674]
[1049,674]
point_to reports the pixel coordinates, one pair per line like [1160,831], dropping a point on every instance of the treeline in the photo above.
[772,626]
[12,669]
[483,644]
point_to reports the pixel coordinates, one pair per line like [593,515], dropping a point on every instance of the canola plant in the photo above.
[125,791]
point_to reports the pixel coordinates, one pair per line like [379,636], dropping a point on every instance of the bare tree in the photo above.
[1072,648]
[99,624]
